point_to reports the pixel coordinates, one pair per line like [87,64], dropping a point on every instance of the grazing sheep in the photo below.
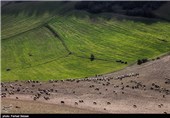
[18,89]
[47,93]
[81,101]
[3,95]
[77,81]
[122,88]
[17,107]
[46,98]
[51,90]
[76,103]
[97,89]
[108,103]
[51,81]
[29,81]
[35,98]
[134,106]
[156,86]
[159,106]
[6,89]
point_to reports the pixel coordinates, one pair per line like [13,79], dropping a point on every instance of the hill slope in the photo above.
[53,45]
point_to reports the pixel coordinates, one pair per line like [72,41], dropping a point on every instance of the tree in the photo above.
[139,62]
[92,57]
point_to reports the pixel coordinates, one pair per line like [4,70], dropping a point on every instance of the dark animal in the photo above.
[134,106]
[108,103]
[8,69]
[76,103]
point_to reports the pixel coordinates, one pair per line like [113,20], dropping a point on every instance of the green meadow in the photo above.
[32,51]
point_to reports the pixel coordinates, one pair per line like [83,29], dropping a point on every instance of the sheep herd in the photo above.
[98,85]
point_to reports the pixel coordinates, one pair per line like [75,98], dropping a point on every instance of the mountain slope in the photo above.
[53,45]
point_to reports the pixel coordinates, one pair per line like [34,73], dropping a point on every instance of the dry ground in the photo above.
[148,92]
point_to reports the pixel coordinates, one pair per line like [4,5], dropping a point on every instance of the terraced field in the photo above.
[31,50]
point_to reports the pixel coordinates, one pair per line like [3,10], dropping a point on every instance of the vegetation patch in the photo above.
[75,44]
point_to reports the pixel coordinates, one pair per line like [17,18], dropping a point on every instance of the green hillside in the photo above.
[57,43]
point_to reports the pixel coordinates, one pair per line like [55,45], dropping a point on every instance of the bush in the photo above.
[140,61]
[92,57]
[144,60]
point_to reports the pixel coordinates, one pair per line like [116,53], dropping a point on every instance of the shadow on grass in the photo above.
[38,8]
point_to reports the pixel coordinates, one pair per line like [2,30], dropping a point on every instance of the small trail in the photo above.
[66,47]
[15,35]
[58,37]
[55,34]
[47,61]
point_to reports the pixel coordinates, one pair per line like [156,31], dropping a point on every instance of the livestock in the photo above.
[97,89]
[81,101]
[17,107]
[46,98]
[134,106]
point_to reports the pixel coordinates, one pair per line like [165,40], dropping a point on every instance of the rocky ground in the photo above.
[136,89]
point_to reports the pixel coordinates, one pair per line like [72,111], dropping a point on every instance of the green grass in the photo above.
[83,34]
[19,18]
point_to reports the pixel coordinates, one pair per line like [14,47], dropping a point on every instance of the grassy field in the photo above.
[32,51]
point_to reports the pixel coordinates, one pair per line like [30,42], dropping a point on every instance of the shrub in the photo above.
[139,62]
[92,57]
